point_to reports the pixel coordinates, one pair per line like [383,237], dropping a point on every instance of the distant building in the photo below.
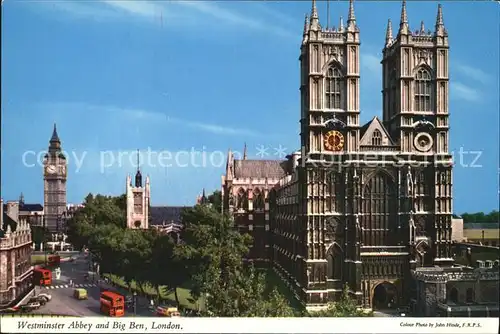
[457,230]
[486,234]
[202,199]
[33,213]
[16,272]
[138,201]
[167,219]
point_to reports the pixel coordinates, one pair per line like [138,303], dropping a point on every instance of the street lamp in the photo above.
[135,303]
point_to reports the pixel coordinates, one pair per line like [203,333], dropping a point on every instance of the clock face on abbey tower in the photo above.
[55,175]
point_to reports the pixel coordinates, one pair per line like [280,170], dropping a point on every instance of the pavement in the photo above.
[73,276]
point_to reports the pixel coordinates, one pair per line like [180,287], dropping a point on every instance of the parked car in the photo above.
[45,296]
[30,306]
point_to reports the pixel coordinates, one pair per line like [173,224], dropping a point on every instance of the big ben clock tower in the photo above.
[54,175]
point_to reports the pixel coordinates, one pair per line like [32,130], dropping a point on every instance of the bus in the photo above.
[54,260]
[112,304]
[42,277]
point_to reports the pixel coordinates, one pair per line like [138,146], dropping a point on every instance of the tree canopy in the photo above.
[209,258]
[481,217]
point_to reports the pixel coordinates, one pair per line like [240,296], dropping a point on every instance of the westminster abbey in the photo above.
[362,206]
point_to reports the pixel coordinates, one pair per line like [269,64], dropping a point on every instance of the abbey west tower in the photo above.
[374,201]
[54,186]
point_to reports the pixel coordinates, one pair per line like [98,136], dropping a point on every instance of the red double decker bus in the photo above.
[112,304]
[42,277]
[54,260]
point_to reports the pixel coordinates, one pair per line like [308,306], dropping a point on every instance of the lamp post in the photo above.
[482,237]
[135,303]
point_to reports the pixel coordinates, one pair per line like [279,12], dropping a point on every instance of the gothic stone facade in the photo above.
[362,206]
[54,185]
[16,272]
[246,188]
[138,202]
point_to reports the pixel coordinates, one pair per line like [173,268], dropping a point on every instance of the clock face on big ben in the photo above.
[334,141]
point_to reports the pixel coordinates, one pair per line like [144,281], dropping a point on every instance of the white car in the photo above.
[46,296]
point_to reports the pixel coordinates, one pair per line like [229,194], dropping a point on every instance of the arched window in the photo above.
[469,295]
[380,206]
[334,83]
[334,258]
[376,138]
[258,200]
[423,90]
[242,199]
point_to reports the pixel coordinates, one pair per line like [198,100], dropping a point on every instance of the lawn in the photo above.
[186,301]
[40,258]
[184,294]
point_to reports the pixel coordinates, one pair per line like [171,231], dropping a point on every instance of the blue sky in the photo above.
[207,76]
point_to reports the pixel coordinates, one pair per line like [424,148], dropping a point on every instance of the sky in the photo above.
[185,81]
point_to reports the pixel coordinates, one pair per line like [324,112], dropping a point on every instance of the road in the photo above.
[72,276]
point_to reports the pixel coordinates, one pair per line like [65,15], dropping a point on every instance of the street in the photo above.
[73,276]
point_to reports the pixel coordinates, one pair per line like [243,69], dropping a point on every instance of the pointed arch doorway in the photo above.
[385,296]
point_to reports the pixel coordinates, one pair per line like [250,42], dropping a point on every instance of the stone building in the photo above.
[138,201]
[16,272]
[54,186]
[246,188]
[363,206]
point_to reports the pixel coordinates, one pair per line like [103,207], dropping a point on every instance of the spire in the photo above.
[440,30]
[351,16]
[203,199]
[403,25]
[245,152]
[55,137]
[422,28]
[388,33]
[341,24]
[314,17]
[21,199]
[306,25]
[138,175]
[327,14]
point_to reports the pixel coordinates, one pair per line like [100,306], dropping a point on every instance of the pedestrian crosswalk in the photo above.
[65,286]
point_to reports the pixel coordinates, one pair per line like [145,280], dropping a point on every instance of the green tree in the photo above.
[216,200]
[481,217]
[215,252]
[345,307]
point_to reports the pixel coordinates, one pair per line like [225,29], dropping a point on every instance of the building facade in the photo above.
[54,186]
[16,272]
[138,201]
[246,188]
[363,206]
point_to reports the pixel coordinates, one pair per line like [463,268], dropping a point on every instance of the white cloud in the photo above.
[464,92]
[178,13]
[473,73]
[132,114]
[214,128]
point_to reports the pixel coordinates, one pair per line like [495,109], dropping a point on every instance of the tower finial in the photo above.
[341,24]
[21,199]
[306,24]
[403,24]
[245,152]
[55,136]
[351,16]
[314,17]
[327,14]
[388,33]
[422,28]
[440,31]
[138,175]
